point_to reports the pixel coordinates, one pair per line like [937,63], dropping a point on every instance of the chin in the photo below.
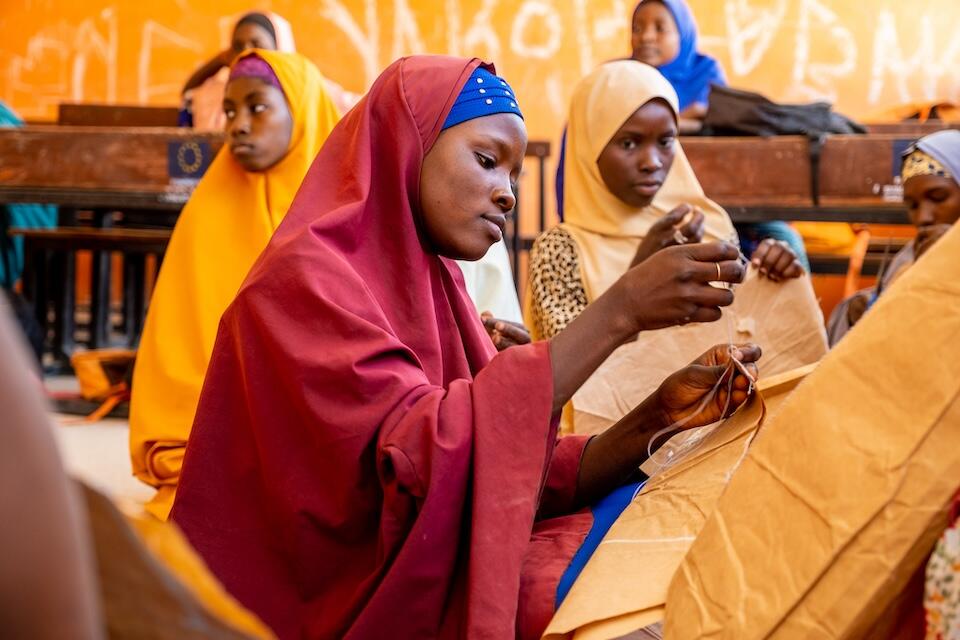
[248,164]
[471,253]
[637,202]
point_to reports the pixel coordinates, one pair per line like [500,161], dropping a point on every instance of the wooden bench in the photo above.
[49,271]
[113,115]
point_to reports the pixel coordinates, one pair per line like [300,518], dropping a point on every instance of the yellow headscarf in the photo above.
[608,231]
[220,233]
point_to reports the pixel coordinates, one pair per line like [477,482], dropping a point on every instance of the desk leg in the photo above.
[33,279]
[100,294]
[134,296]
[63,275]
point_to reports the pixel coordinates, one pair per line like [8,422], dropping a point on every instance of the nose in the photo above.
[505,198]
[925,214]
[649,160]
[648,34]
[240,125]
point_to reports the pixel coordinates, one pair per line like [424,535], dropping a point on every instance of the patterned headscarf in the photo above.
[935,155]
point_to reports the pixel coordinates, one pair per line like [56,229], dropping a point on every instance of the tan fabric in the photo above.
[783,318]
[607,230]
[624,585]
[842,497]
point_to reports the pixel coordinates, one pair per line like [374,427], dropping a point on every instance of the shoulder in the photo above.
[555,243]
[555,258]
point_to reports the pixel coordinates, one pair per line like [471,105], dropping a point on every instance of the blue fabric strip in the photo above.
[605,513]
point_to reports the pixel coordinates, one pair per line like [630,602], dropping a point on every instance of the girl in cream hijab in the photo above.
[629,191]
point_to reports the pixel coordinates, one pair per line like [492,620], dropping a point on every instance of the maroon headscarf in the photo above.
[359,465]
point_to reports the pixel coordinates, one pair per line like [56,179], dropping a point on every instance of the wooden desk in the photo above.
[114,115]
[913,130]
[145,172]
[759,179]
[103,168]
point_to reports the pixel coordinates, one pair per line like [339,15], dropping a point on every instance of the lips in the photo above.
[242,149]
[647,188]
[497,223]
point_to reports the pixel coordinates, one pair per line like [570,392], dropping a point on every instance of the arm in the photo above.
[209,69]
[671,287]
[691,119]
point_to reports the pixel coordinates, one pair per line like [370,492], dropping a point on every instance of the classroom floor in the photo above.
[97,453]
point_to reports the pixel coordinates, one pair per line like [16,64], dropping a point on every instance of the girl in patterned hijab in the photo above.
[931,192]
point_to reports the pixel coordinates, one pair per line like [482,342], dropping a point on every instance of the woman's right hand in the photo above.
[673,287]
[668,230]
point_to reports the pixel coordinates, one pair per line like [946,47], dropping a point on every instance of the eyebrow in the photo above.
[631,131]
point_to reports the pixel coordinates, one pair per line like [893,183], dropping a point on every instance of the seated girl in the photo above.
[931,190]
[664,35]
[629,192]
[278,116]
[362,463]
[203,91]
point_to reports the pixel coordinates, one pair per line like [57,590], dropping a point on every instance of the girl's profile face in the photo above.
[468,184]
[259,125]
[635,162]
[932,200]
[250,35]
[654,38]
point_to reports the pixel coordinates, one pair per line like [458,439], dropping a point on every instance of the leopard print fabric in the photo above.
[555,282]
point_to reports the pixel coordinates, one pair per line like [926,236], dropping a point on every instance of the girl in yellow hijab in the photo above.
[278,116]
[628,191]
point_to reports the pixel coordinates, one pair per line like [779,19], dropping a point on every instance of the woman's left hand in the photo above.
[680,395]
[776,260]
[503,333]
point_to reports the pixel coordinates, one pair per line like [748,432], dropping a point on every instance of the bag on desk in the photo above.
[734,112]
[845,491]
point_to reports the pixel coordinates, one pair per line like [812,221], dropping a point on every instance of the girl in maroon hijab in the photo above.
[361,465]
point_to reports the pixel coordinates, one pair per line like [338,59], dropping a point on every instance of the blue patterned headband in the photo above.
[484,94]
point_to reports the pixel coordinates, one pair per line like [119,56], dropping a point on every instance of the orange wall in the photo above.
[861,53]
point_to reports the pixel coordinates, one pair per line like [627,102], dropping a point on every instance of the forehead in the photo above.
[653,118]
[238,89]
[652,11]
[251,30]
[918,185]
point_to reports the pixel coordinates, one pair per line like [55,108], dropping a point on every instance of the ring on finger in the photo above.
[719,276]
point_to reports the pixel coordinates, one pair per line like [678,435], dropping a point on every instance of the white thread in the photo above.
[676,453]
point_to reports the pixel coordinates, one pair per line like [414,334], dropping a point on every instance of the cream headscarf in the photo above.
[608,231]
